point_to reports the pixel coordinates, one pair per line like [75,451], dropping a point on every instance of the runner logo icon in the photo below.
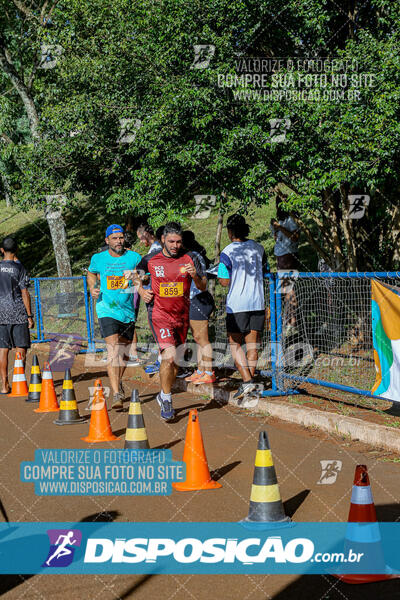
[62,547]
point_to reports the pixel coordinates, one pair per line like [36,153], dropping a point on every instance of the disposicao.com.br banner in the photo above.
[192,548]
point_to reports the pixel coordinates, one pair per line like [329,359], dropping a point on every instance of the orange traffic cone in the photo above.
[19,386]
[48,399]
[100,428]
[197,473]
[363,533]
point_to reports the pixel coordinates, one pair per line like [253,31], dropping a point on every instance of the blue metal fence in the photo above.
[330,307]
[350,295]
[67,309]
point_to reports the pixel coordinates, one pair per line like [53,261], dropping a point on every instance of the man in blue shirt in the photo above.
[242,267]
[114,307]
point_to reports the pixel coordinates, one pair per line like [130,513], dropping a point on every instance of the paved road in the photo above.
[230,439]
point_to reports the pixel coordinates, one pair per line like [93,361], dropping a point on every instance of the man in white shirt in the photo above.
[286,234]
[242,267]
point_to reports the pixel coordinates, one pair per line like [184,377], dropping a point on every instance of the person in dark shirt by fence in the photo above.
[15,308]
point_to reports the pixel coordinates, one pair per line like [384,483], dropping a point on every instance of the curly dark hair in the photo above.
[237,225]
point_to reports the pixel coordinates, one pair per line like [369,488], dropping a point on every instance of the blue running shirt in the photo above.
[116,294]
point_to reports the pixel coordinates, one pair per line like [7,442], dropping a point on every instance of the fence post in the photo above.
[272,310]
[277,364]
[40,318]
[37,310]
[91,345]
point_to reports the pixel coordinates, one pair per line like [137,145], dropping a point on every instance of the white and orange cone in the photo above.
[19,387]
[48,399]
[363,533]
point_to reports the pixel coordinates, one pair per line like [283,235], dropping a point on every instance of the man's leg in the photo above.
[168,372]
[113,361]
[238,355]
[22,352]
[123,345]
[168,369]
[252,340]
[133,346]
[5,387]
[200,335]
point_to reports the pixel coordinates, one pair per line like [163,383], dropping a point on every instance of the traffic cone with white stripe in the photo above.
[136,436]
[35,383]
[69,413]
[48,399]
[194,456]
[19,387]
[363,536]
[266,508]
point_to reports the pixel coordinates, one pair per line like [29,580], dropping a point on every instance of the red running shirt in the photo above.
[170,284]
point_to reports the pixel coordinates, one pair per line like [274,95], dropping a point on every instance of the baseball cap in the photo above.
[114,229]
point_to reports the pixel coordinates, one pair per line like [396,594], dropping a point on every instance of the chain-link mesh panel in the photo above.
[327,332]
[63,307]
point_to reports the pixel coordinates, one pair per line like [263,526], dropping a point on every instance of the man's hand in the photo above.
[191,269]
[95,293]
[30,323]
[274,223]
[147,295]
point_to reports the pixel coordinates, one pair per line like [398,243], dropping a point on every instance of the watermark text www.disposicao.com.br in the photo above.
[213,550]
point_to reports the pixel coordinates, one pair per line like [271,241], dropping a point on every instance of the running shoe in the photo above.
[183,373]
[167,412]
[152,369]
[117,401]
[205,378]
[193,377]
[244,388]
[133,361]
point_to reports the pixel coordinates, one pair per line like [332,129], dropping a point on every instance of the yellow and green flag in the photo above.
[385,306]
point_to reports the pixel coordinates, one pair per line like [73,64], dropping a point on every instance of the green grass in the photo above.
[86,225]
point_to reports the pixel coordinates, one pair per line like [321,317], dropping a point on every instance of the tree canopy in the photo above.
[124,114]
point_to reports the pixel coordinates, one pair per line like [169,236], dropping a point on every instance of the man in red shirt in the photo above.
[171,272]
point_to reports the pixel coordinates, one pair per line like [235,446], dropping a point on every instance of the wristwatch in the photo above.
[30,316]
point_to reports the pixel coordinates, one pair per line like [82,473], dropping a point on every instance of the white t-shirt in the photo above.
[283,244]
[245,264]
[155,246]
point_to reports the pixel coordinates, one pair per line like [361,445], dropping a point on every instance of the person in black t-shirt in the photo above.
[15,308]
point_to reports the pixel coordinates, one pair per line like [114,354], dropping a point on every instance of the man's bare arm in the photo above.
[26,299]
[92,282]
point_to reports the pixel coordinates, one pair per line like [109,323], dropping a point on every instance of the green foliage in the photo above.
[134,60]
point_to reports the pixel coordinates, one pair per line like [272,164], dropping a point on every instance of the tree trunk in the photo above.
[348,230]
[217,249]
[7,189]
[338,257]
[53,213]
[58,234]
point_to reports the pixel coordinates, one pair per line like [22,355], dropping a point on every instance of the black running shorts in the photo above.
[201,307]
[109,326]
[15,336]
[243,322]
